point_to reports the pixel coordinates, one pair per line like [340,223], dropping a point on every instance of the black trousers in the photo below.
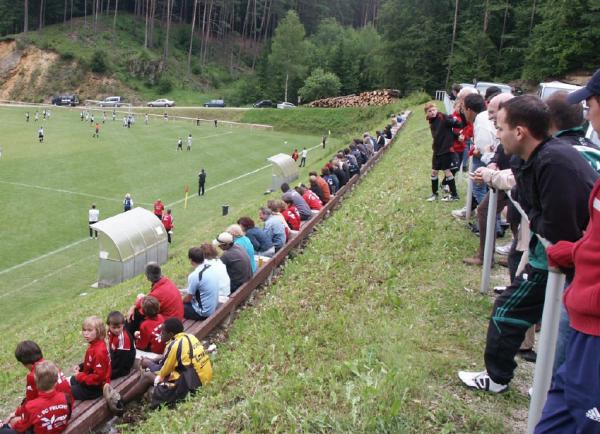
[91,230]
[201,189]
[518,307]
[83,392]
[302,162]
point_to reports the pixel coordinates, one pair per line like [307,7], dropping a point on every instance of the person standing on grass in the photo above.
[41,134]
[93,217]
[179,145]
[303,157]
[189,142]
[295,155]
[127,203]
[27,117]
[443,158]
[158,209]
[37,116]
[114,115]
[553,184]
[201,182]
[216,123]
[167,221]
[97,131]
[146,119]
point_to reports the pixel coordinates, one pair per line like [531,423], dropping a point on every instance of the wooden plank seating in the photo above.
[88,415]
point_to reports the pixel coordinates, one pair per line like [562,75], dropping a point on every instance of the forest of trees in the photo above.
[316,48]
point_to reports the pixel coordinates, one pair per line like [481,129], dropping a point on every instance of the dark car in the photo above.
[215,103]
[71,100]
[263,103]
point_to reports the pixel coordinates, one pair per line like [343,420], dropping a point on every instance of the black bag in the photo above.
[171,392]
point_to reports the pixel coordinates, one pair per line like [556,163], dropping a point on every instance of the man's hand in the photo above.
[476,153]
[130,313]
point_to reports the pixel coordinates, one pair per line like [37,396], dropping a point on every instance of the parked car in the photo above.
[547,89]
[112,101]
[263,103]
[215,103]
[162,102]
[482,86]
[71,100]
[285,105]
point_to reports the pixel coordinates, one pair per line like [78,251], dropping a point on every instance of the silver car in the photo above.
[162,102]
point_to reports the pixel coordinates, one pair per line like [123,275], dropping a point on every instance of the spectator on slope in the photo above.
[167,221]
[303,157]
[323,185]
[127,202]
[158,209]
[553,183]
[93,217]
[241,239]
[299,202]
[443,158]
[332,181]
[29,354]
[164,290]
[94,373]
[171,377]
[316,188]
[202,294]
[291,215]
[352,162]
[274,228]
[236,260]
[120,346]
[261,241]
[572,403]
[277,207]
[380,143]
[340,169]
[463,135]
[49,412]
[456,88]
[500,162]
[148,337]
[310,198]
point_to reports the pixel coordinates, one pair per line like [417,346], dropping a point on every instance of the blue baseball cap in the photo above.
[591,88]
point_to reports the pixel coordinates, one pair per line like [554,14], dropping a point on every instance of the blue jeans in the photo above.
[564,336]
[479,190]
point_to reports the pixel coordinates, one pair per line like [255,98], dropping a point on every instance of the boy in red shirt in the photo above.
[148,338]
[49,412]
[91,376]
[291,215]
[158,209]
[30,355]
[120,346]
[167,221]
[311,199]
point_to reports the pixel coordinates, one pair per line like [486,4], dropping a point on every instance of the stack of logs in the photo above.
[364,99]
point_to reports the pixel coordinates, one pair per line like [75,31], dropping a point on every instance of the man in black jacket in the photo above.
[444,158]
[553,184]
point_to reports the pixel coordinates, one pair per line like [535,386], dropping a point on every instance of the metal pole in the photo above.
[490,235]
[469,192]
[546,347]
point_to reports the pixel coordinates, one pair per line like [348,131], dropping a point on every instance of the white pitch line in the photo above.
[60,190]
[229,181]
[45,255]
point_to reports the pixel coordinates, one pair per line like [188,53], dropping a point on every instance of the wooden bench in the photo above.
[87,415]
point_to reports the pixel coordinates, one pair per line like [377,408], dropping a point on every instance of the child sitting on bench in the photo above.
[148,337]
[120,346]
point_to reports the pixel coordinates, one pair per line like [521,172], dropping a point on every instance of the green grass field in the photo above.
[46,257]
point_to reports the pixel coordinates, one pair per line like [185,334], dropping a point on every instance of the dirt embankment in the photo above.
[34,75]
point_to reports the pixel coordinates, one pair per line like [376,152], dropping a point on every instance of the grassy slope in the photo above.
[365,330]
[44,298]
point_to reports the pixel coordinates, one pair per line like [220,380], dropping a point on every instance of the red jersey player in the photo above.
[158,209]
[167,221]
[148,338]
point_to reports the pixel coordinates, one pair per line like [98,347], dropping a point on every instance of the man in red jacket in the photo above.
[167,221]
[49,412]
[573,403]
[164,290]
[158,209]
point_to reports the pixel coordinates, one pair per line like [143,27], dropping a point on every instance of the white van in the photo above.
[111,101]
[547,89]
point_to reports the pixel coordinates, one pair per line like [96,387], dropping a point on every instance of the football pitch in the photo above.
[46,256]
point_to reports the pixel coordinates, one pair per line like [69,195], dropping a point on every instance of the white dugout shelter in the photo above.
[285,169]
[128,241]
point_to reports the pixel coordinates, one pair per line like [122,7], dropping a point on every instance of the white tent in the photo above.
[285,169]
[128,241]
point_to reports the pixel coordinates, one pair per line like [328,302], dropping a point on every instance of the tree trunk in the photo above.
[115,17]
[65,13]
[169,11]
[504,26]
[71,20]
[41,24]
[454,28]
[95,10]
[146,25]
[202,41]
[152,19]
[208,28]
[26,17]
[532,17]
[85,13]
[192,37]
[486,16]
[287,76]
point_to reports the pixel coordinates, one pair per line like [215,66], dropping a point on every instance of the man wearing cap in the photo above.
[236,260]
[573,403]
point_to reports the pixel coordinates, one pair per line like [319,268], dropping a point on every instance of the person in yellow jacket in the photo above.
[184,367]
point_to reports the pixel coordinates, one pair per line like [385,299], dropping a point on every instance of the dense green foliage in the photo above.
[320,84]
[254,49]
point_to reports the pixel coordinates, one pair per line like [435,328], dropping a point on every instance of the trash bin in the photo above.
[225,209]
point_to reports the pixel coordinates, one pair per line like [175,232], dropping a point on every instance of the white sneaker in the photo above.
[432,198]
[460,213]
[503,250]
[481,381]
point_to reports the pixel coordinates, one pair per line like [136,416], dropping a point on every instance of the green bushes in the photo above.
[98,62]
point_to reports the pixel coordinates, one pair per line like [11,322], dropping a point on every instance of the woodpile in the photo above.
[364,99]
